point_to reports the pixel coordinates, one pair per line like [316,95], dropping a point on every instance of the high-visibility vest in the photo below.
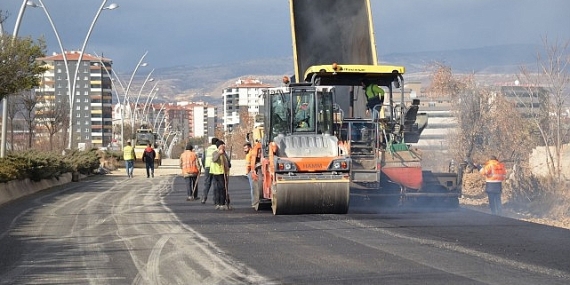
[494,171]
[128,153]
[189,162]
[218,167]
[374,90]
[208,158]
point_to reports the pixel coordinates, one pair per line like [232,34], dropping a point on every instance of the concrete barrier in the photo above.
[12,190]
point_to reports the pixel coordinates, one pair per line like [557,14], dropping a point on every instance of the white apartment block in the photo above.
[244,95]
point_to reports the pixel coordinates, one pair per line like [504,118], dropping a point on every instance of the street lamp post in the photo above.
[81,52]
[135,112]
[113,79]
[149,99]
[71,85]
[154,126]
[63,54]
[125,97]
[5,101]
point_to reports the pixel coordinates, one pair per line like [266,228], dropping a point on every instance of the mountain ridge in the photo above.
[205,83]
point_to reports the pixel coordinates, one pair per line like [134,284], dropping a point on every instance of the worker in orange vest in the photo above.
[191,168]
[495,173]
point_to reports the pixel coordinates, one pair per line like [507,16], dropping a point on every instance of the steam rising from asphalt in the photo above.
[339,33]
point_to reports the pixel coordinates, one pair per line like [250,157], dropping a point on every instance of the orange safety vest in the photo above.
[189,163]
[494,171]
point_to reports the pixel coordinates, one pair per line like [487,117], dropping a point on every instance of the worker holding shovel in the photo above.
[191,169]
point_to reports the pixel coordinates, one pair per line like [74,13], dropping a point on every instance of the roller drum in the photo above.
[310,198]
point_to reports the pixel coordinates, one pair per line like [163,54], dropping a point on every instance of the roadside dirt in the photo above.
[474,198]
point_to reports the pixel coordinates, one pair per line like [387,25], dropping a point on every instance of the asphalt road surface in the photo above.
[115,230]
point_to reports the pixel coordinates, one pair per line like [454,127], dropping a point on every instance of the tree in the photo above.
[29,101]
[53,117]
[488,124]
[14,109]
[236,138]
[443,83]
[552,74]
[19,69]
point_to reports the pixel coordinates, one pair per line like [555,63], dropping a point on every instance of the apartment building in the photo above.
[92,100]
[527,99]
[242,97]
[190,119]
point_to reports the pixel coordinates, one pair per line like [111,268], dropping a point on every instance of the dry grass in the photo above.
[547,207]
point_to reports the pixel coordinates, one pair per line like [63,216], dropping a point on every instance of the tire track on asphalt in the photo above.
[44,228]
[222,269]
[436,254]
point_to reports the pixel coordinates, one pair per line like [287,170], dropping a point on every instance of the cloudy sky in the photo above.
[204,32]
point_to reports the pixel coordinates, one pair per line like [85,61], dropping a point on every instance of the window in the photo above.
[279,113]
[303,107]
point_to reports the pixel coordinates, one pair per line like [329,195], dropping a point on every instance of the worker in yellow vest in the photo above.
[207,162]
[374,98]
[219,169]
[129,158]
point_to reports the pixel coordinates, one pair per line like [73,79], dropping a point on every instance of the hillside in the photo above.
[194,83]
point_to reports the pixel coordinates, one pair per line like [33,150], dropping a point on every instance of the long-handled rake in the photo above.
[227,192]
[196,184]
[227,170]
